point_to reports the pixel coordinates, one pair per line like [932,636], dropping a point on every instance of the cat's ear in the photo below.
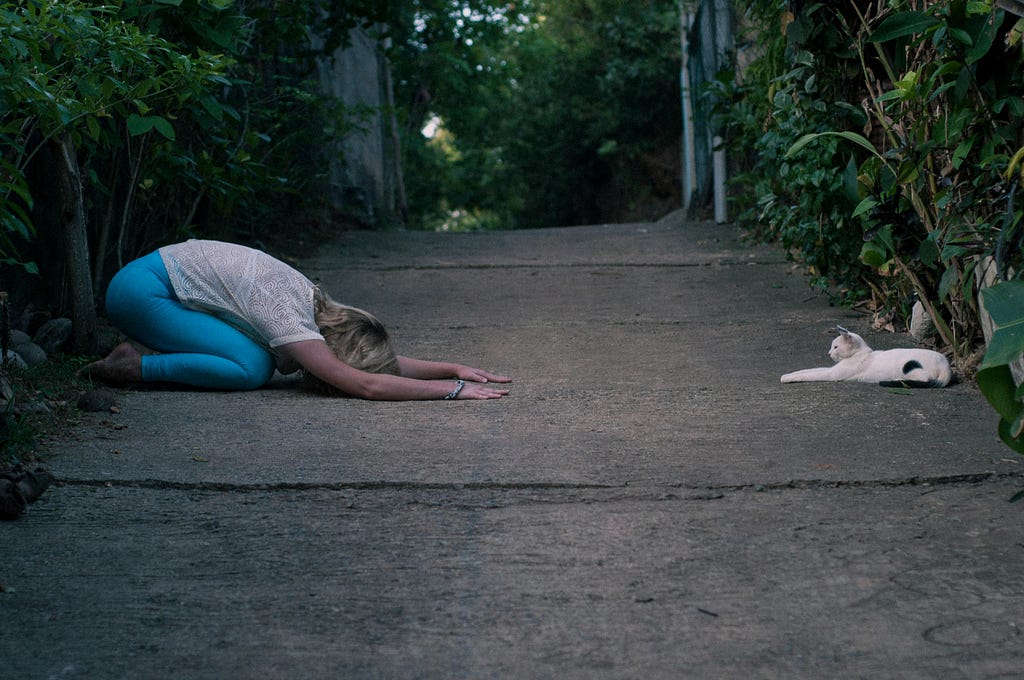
[842,330]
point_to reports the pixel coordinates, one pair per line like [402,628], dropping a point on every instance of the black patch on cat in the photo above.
[910,366]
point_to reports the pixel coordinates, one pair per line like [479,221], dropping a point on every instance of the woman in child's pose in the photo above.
[224,316]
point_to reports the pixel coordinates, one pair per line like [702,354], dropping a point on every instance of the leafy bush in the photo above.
[185,116]
[936,199]
[942,89]
[937,163]
[802,201]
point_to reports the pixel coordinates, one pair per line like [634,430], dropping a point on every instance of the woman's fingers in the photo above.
[481,376]
[481,391]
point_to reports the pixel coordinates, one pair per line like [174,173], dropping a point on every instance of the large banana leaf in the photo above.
[1004,302]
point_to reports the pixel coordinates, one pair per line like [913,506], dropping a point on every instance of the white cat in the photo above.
[856,362]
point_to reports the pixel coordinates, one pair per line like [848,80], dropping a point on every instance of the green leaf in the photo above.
[140,125]
[850,185]
[961,36]
[891,95]
[946,283]
[1017,426]
[982,39]
[1005,304]
[928,252]
[962,149]
[865,206]
[164,128]
[212,106]
[1006,434]
[1015,33]
[902,25]
[873,255]
[93,127]
[997,385]
[861,140]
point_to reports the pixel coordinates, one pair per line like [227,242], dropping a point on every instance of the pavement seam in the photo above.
[793,484]
[562,265]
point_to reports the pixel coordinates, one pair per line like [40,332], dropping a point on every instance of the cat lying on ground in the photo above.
[856,362]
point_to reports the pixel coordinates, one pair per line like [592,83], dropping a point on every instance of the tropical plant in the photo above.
[1001,374]
[15,208]
[937,187]
[933,197]
[77,78]
[803,83]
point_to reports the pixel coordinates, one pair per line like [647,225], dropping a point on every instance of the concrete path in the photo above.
[650,502]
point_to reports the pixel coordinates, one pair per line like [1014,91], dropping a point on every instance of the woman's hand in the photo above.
[439,370]
[419,380]
[479,375]
[478,390]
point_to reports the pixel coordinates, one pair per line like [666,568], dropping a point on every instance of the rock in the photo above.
[13,359]
[12,503]
[32,318]
[18,489]
[19,338]
[30,352]
[33,483]
[30,408]
[921,325]
[99,399]
[53,335]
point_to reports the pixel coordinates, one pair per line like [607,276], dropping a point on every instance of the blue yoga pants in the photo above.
[196,348]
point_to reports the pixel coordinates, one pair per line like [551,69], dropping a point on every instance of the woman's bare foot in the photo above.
[122,366]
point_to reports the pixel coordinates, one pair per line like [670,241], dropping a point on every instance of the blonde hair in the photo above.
[356,337]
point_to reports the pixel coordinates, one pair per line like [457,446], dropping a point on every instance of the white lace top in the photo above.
[261,296]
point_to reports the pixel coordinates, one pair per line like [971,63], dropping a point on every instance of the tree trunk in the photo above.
[75,248]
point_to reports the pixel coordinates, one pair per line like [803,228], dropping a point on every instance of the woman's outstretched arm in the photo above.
[434,370]
[317,358]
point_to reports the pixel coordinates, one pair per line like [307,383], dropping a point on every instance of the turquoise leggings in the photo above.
[196,348]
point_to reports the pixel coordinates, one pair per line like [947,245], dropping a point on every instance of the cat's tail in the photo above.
[940,379]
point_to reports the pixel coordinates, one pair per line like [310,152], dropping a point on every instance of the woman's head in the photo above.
[356,337]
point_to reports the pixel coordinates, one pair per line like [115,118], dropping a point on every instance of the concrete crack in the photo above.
[709,490]
[563,265]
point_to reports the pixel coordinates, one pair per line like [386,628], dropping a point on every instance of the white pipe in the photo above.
[689,170]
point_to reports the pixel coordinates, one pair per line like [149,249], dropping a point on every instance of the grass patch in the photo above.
[44,407]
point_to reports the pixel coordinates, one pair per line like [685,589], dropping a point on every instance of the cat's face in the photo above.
[845,346]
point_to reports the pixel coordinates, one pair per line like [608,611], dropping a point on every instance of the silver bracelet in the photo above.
[459,384]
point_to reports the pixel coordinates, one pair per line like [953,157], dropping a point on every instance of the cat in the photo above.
[856,362]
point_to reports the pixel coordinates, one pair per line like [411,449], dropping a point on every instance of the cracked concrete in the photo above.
[650,501]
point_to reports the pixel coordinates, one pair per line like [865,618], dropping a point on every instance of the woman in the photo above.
[225,316]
